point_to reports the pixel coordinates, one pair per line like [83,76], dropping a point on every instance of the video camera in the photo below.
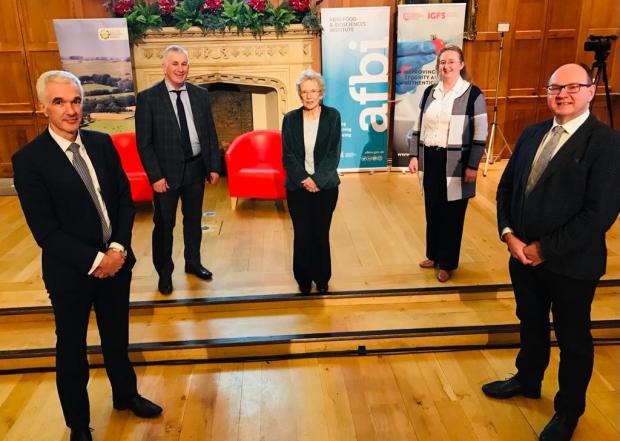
[600,45]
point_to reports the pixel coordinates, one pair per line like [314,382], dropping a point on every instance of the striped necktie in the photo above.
[545,156]
[80,166]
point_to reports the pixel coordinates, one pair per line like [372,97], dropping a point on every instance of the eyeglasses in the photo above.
[309,92]
[555,89]
[448,62]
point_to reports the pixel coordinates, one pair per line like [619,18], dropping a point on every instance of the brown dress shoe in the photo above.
[428,263]
[444,275]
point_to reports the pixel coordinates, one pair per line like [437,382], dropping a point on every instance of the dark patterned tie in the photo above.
[185,141]
[80,166]
[543,159]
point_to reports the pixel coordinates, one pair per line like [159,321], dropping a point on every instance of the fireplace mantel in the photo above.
[271,60]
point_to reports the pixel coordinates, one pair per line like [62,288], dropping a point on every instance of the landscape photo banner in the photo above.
[423,30]
[97,52]
[355,44]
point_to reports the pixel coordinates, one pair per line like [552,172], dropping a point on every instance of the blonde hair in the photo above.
[459,51]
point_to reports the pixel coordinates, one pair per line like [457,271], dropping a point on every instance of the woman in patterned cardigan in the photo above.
[445,147]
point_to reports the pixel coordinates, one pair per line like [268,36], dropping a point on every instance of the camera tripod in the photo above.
[494,126]
[599,69]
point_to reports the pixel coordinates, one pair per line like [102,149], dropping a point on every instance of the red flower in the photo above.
[167,7]
[212,6]
[258,5]
[299,5]
[122,7]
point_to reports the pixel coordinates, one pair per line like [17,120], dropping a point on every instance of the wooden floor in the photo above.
[422,397]
[377,240]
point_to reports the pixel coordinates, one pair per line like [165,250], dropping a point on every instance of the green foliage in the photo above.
[188,14]
[311,21]
[214,22]
[281,18]
[254,21]
[143,17]
[235,14]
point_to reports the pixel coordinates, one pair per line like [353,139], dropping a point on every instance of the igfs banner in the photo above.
[423,30]
[355,69]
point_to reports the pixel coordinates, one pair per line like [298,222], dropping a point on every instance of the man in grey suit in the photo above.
[179,150]
[558,196]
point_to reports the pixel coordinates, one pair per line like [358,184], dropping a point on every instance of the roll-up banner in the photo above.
[97,52]
[423,30]
[355,44]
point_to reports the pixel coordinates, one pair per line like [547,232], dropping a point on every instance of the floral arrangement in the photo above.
[215,15]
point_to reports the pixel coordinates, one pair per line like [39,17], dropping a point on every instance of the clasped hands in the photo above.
[310,185]
[113,260]
[527,254]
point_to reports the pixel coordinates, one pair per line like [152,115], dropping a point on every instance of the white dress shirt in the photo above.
[436,121]
[187,106]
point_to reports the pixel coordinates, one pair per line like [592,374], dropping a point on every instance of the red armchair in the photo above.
[254,164]
[141,189]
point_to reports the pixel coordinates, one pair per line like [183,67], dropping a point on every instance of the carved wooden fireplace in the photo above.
[264,68]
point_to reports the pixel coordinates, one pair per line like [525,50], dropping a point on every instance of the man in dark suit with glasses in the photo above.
[559,194]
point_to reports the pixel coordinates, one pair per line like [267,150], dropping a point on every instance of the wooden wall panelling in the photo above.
[601,17]
[15,93]
[562,32]
[482,56]
[39,37]
[15,131]
[527,46]
[522,113]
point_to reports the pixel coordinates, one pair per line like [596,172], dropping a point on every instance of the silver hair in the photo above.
[56,76]
[173,48]
[310,74]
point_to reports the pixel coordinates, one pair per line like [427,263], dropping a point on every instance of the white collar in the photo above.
[62,142]
[572,126]
[458,89]
[171,88]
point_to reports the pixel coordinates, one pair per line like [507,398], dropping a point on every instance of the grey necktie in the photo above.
[80,166]
[543,159]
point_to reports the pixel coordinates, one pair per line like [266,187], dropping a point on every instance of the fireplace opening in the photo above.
[240,108]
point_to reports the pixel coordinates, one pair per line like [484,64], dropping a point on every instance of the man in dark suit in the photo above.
[179,149]
[75,197]
[559,194]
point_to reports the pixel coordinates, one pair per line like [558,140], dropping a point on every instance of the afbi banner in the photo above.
[355,69]
[422,31]
[97,52]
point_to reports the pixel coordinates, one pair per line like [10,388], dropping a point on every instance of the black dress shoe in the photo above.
[81,435]
[508,389]
[560,428]
[140,406]
[199,271]
[322,289]
[165,284]
[304,289]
